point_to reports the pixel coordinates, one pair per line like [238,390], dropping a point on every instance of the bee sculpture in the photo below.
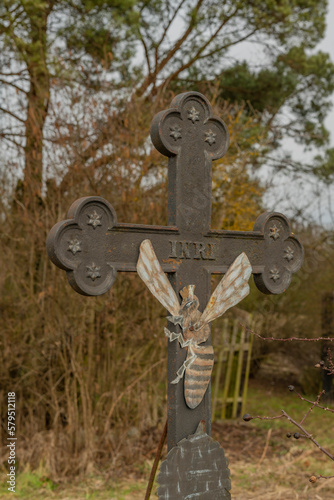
[232,288]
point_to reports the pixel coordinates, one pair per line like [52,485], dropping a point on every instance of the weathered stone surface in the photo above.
[196,468]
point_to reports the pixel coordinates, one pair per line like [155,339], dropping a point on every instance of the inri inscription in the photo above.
[192,250]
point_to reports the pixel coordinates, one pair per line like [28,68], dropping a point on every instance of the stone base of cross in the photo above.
[91,245]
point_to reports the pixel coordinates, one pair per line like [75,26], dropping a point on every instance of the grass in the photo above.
[277,471]
[271,403]
[283,471]
[35,485]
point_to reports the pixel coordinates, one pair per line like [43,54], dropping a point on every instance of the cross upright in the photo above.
[91,246]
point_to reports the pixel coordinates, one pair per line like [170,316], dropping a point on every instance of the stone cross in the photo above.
[91,246]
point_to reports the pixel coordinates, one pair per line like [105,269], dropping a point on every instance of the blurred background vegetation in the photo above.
[80,83]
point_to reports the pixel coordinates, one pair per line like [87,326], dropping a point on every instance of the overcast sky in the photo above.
[306,195]
[328,46]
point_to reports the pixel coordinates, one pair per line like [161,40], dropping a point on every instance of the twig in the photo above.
[305,434]
[324,477]
[265,447]
[155,463]
[330,368]
[309,436]
[248,417]
[325,408]
[289,339]
[315,403]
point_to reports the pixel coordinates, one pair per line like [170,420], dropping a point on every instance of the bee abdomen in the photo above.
[198,375]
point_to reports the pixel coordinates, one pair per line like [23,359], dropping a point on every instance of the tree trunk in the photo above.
[37,108]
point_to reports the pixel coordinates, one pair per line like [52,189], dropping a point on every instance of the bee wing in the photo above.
[232,288]
[150,271]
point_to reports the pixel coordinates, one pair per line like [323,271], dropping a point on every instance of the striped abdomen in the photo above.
[198,374]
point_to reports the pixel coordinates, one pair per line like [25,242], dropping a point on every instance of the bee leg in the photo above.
[172,335]
[176,336]
[180,372]
[176,320]
[184,343]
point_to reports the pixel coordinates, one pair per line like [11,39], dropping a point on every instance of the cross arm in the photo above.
[91,246]
[275,253]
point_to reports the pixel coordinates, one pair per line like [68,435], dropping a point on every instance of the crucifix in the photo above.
[91,245]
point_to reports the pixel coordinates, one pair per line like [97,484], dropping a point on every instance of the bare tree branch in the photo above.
[13,85]
[12,114]
[289,339]
[168,25]
[147,57]
[178,44]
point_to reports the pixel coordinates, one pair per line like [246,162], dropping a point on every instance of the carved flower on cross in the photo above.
[210,137]
[74,246]
[175,132]
[94,219]
[93,271]
[274,232]
[274,274]
[193,114]
[289,254]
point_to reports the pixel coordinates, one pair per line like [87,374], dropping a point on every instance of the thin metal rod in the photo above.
[155,463]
